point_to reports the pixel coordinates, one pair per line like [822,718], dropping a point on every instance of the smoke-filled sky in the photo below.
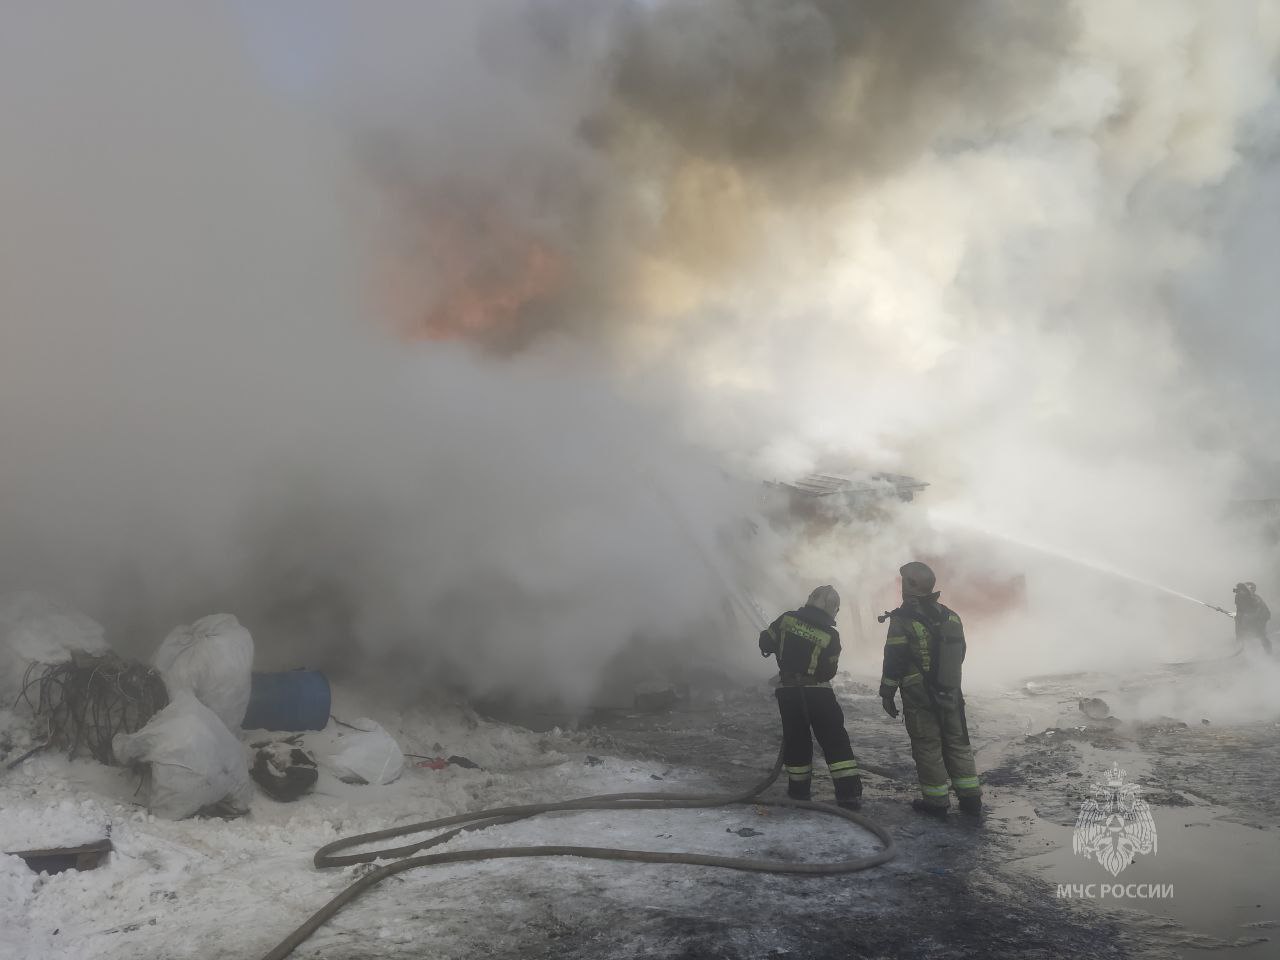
[443,333]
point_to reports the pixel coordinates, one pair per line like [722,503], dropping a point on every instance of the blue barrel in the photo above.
[293,700]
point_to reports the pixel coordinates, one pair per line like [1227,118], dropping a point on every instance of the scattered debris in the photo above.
[1094,708]
[26,756]
[440,762]
[745,832]
[1161,725]
[88,700]
[224,809]
[284,772]
[293,741]
[126,928]
[592,761]
[86,856]
[369,755]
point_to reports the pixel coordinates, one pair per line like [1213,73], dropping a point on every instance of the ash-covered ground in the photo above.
[956,889]
[964,890]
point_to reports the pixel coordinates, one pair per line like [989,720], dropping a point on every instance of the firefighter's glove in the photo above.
[886,700]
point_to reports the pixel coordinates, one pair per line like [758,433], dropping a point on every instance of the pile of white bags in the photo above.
[195,760]
[213,659]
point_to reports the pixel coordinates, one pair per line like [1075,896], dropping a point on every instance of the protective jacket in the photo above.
[922,657]
[925,645]
[807,646]
[1252,614]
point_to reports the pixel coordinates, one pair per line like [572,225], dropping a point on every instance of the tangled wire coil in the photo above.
[87,700]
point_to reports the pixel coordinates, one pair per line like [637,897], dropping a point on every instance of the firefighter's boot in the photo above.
[849,793]
[799,782]
[970,805]
[937,811]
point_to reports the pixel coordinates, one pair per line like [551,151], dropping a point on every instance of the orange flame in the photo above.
[473,275]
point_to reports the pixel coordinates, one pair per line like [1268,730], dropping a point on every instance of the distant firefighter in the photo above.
[807,646]
[1252,615]
[922,658]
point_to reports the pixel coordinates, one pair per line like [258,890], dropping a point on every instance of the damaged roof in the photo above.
[871,485]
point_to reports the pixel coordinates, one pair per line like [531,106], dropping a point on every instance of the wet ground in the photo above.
[958,889]
[1009,886]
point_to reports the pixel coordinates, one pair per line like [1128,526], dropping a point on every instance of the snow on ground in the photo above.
[210,888]
[64,822]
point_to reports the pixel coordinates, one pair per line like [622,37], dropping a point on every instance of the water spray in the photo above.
[1076,560]
[1225,613]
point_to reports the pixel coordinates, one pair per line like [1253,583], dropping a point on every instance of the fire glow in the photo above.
[472,274]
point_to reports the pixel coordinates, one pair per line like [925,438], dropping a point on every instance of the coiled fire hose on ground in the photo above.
[327,856]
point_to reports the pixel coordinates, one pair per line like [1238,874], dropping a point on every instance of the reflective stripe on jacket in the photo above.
[806,644]
[911,648]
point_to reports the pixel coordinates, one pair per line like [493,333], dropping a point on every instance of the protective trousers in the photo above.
[816,708]
[1254,632]
[940,745]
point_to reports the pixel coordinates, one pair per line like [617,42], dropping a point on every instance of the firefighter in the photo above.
[922,658]
[807,646]
[1252,615]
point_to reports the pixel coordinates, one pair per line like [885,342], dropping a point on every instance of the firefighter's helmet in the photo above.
[917,579]
[826,599]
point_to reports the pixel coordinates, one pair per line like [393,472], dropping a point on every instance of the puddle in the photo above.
[1225,880]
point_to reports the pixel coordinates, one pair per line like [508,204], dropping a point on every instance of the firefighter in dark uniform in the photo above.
[807,646]
[1252,614]
[922,658]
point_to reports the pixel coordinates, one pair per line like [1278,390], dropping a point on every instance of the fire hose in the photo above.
[328,855]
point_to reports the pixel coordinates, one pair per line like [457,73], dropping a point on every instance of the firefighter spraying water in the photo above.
[1251,616]
[807,646]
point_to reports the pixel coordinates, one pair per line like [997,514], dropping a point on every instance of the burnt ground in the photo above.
[955,890]
[964,890]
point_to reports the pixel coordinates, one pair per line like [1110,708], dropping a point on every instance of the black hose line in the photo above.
[327,855]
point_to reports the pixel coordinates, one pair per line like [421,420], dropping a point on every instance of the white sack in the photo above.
[369,753]
[213,658]
[35,629]
[195,760]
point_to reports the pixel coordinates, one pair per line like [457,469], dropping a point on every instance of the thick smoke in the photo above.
[201,412]
[969,241]
[406,332]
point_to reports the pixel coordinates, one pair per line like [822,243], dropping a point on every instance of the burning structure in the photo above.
[466,272]
[379,329]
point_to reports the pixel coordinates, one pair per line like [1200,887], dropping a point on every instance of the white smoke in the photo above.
[200,411]
[1006,248]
